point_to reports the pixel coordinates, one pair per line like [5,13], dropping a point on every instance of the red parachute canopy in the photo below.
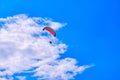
[49,29]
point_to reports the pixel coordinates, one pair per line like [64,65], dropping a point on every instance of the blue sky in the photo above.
[92,31]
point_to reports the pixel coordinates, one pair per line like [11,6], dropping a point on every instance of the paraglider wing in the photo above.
[50,30]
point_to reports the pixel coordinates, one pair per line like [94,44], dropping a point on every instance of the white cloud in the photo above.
[22,51]
[56,25]
[21,77]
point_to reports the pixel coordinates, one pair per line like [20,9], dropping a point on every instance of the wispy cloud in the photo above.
[21,51]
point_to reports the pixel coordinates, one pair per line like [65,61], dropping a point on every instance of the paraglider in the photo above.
[51,31]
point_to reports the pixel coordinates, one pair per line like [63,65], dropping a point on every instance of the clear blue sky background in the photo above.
[92,32]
